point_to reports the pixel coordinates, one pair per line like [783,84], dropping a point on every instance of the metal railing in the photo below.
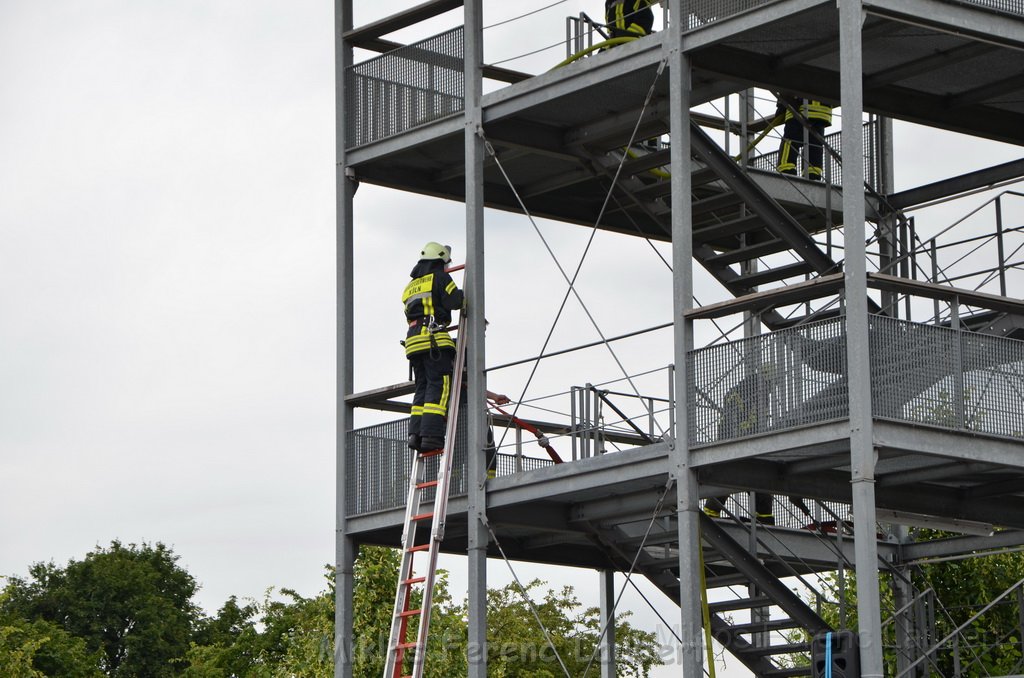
[1015,7]
[405,88]
[833,168]
[923,374]
[699,13]
[379,463]
[977,252]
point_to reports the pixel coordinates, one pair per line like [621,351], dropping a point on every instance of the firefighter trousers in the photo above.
[432,371]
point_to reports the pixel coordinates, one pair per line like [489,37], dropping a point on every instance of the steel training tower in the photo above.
[875,383]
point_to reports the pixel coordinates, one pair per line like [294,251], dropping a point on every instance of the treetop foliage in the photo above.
[128,611]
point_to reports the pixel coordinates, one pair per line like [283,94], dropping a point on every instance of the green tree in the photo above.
[518,648]
[516,643]
[376,580]
[277,638]
[132,605]
[40,648]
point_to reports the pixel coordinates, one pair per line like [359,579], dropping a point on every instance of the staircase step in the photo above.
[785,648]
[765,626]
[702,176]
[748,253]
[714,202]
[727,229]
[721,580]
[793,270]
[740,604]
[791,672]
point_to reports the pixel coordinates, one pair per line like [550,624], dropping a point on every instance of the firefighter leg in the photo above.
[789,149]
[815,151]
[713,506]
[763,508]
[438,371]
[419,396]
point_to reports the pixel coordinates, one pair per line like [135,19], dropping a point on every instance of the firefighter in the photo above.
[818,116]
[429,299]
[629,18]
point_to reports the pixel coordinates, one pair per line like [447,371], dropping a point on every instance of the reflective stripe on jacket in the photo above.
[812,110]
[430,295]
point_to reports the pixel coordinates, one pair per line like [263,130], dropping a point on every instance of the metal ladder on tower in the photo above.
[403,612]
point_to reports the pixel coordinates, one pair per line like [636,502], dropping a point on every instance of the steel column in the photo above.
[684,475]
[862,453]
[345,548]
[474,282]
[608,623]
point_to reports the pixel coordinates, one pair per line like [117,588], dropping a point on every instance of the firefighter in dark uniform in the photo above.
[819,116]
[429,299]
[629,18]
[740,410]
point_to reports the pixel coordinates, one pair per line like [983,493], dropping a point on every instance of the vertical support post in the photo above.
[883,151]
[1020,617]
[574,425]
[747,113]
[684,475]
[959,403]
[475,359]
[934,252]
[903,599]
[345,548]
[862,452]
[608,623]
[1000,246]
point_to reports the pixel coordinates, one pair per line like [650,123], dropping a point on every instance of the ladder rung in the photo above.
[414,580]
[423,516]
[410,613]
[421,547]
[406,646]
[423,486]
[431,453]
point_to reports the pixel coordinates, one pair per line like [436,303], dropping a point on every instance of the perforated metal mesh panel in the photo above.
[833,169]
[772,382]
[699,13]
[407,87]
[1008,6]
[788,514]
[942,377]
[379,464]
[919,373]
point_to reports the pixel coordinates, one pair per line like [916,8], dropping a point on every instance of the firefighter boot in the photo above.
[430,443]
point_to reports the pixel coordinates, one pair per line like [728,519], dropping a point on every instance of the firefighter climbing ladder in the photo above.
[398,643]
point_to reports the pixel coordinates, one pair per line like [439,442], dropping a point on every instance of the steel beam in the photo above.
[686,499]
[476,465]
[345,188]
[938,190]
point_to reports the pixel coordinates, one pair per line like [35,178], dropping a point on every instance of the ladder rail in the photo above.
[441,501]
[401,612]
[403,590]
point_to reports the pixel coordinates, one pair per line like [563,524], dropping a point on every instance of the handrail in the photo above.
[955,632]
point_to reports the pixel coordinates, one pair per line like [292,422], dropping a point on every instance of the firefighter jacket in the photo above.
[810,109]
[629,17]
[429,299]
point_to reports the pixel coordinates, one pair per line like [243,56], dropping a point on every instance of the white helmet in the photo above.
[433,250]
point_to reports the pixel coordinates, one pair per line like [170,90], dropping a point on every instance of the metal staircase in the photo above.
[736,223]
[771,608]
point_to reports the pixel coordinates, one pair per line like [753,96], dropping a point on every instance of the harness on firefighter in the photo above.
[433,327]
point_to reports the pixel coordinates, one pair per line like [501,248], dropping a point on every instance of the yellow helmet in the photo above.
[433,250]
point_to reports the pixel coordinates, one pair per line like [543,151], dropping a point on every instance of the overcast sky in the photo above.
[167,281]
